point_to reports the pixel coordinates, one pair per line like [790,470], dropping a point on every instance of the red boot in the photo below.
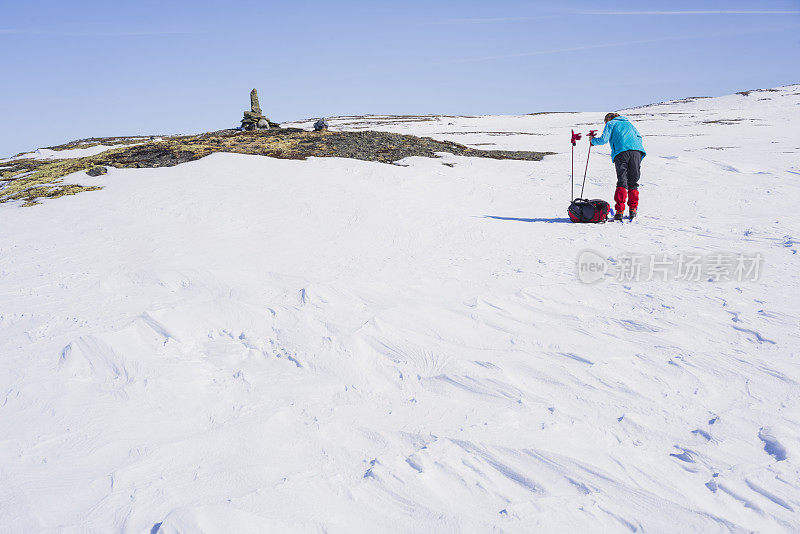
[619,198]
[633,199]
[633,202]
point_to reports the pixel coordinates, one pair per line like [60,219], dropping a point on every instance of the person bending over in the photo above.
[627,153]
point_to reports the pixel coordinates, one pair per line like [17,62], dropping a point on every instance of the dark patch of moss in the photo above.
[725,121]
[747,93]
[94,141]
[31,195]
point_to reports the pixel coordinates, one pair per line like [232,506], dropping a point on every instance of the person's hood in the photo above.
[620,118]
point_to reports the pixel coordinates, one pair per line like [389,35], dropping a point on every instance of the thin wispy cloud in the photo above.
[540,52]
[495,20]
[689,12]
[454,22]
[552,51]
[59,33]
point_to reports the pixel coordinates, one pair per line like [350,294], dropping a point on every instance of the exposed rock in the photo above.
[320,125]
[97,171]
[294,143]
[152,155]
[31,179]
[254,105]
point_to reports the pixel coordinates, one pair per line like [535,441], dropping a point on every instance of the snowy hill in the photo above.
[248,344]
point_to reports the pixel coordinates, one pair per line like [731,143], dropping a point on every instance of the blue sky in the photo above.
[88,68]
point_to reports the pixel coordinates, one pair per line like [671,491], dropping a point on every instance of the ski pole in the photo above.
[589,153]
[575,137]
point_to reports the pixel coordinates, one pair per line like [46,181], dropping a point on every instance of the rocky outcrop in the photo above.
[97,171]
[32,179]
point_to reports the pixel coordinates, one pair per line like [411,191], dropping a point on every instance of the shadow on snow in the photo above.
[539,219]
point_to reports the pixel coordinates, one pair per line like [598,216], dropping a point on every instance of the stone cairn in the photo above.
[254,118]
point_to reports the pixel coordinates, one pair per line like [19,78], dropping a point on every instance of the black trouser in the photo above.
[627,164]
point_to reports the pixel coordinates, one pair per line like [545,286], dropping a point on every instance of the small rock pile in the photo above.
[254,118]
[320,125]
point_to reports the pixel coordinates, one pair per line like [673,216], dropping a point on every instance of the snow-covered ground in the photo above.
[48,153]
[245,344]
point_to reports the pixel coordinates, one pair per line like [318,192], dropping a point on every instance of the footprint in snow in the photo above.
[772,446]
[684,456]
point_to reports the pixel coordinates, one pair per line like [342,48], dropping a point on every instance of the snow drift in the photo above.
[241,343]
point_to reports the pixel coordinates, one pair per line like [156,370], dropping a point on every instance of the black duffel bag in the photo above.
[582,210]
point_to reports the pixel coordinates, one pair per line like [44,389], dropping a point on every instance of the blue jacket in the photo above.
[623,136]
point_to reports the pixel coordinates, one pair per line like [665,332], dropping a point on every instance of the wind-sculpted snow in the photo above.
[246,344]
